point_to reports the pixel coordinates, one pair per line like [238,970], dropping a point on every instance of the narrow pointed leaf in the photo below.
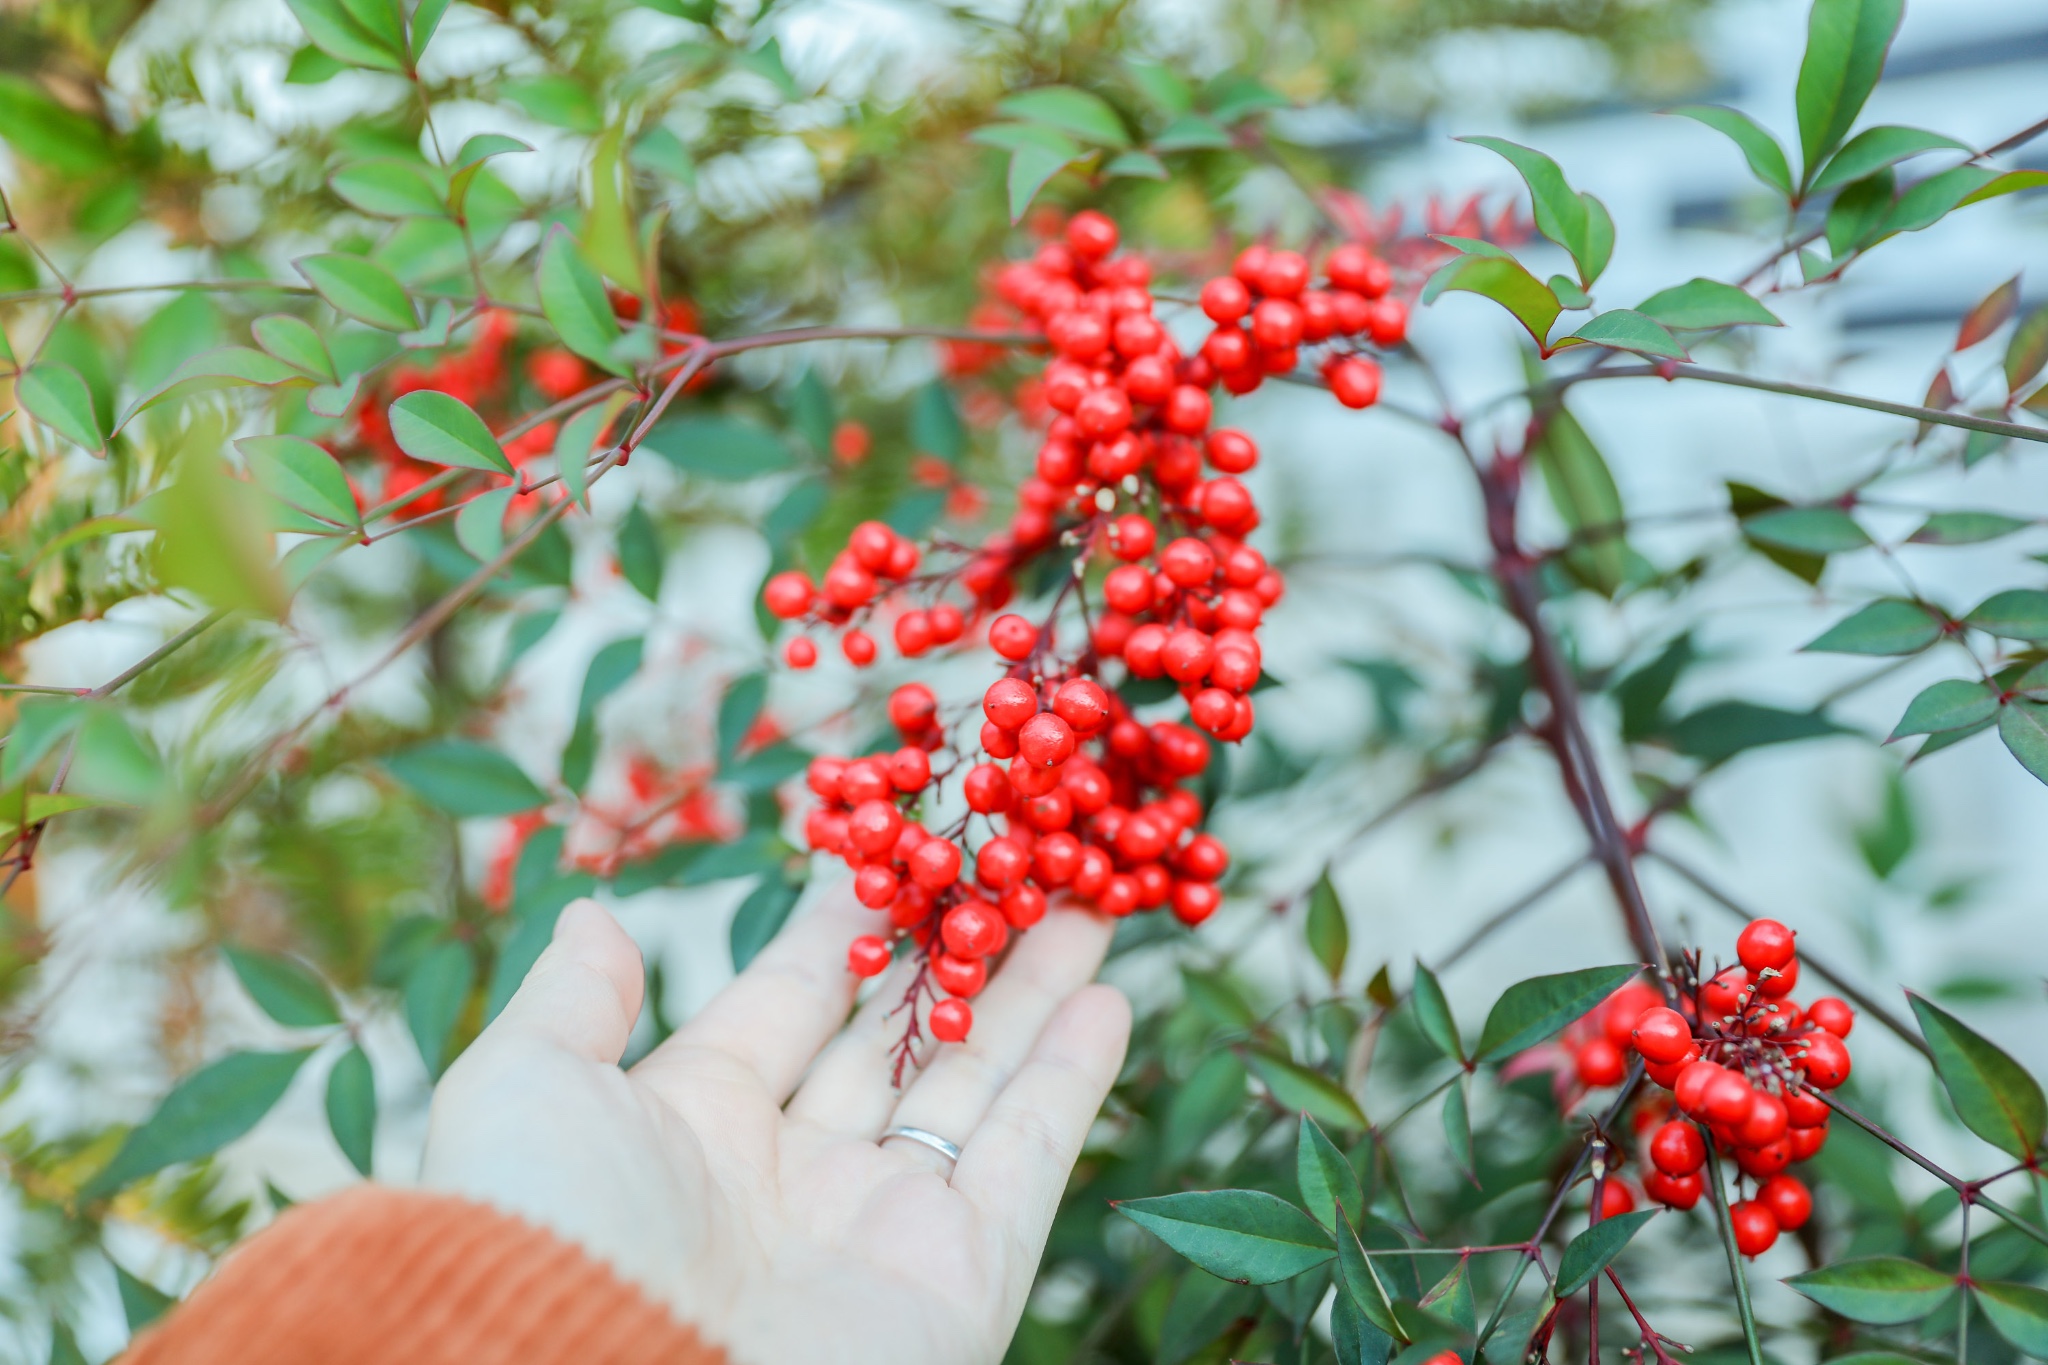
[1627,330]
[2019,1312]
[1296,1087]
[1994,1095]
[1085,115]
[1948,705]
[440,428]
[300,473]
[1457,1118]
[1329,1187]
[360,288]
[1883,1290]
[1888,626]
[1765,157]
[1699,304]
[285,990]
[436,989]
[2016,614]
[294,341]
[338,33]
[573,299]
[2023,725]
[480,525]
[1361,1286]
[2027,352]
[1561,214]
[1873,149]
[1433,1014]
[1327,930]
[57,397]
[1506,282]
[1807,530]
[463,777]
[389,188]
[1966,528]
[574,444]
[352,1108]
[1246,1236]
[1846,42]
[203,1113]
[1530,1011]
[1030,169]
[1592,1250]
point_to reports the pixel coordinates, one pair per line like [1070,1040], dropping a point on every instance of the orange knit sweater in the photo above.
[379,1275]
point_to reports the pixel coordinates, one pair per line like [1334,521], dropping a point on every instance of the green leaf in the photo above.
[573,300]
[285,990]
[1329,1187]
[1582,489]
[641,559]
[2027,352]
[1085,115]
[1592,1250]
[723,448]
[1873,149]
[760,917]
[1201,1308]
[1846,42]
[1932,199]
[766,61]
[469,164]
[1168,90]
[464,778]
[435,990]
[1507,283]
[574,445]
[311,66]
[425,20]
[1994,1095]
[1293,1086]
[555,100]
[610,669]
[2015,614]
[203,1113]
[141,1302]
[662,154]
[1433,1014]
[64,1345]
[57,397]
[1890,625]
[480,525]
[936,427]
[2023,725]
[1362,1288]
[1883,1290]
[1723,729]
[1700,304]
[1190,132]
[2012,182]
[211,538]
[342,36]
[1808,530]
[1532,1010]
[1212,1093]
[737,711]
[360,288]
[189,323]
[1457,1120]
[39,725]
[1245,1236]
[2018,1311]
[1574,221]
[440,428]
[608,234]
[1327,930]
[300,473]
[352,1108]
[1858,215]
[40,129]
[1030,169]
[1766,159]
[1966,528]
[1137,164]
[294,341]
[1947,705]
[389,188]
[1565,288]
[1627,330]
[812,412]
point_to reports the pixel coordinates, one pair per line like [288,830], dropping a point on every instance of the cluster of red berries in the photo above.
[1077,794]
[1743,1063]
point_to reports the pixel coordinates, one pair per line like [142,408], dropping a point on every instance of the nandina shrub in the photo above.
[404,423]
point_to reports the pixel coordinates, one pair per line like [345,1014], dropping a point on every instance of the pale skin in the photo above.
[736,1174]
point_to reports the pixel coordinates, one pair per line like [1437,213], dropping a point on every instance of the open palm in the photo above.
[735,1173]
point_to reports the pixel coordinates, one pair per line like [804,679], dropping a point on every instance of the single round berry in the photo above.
[1677,1192]
[789,594]
[1002,863]
[1186,410]
[1690,1090]
[1354,380]
[959,976]
[1825,1060]
[1788,1199]
[874,886]
[1132,536]
[867,955]
[1615,1200]
[1023,905]
[858,647]
[947,623]
[1806,1110]
[800,653]
[936,864]
[1765,944]
[1600,1064]
[1761,1163]
[1187,654]
[913,708]
[910,769]
[1776,985]
[1232,452]
[1728,1099]
[1082,704]
[1831,1014]
[1012,636]
[986,789]
[1009,702]
[1662,1035]
[973,929]
[1767,1121]
[873,827]
[1055,859]
[1188,562]
[1092,235]
[1194,902]
[1677,1148]
[913,633]
[1225,299]
[1756,1227]
[1387,322]
[951,1020]
[1205,858]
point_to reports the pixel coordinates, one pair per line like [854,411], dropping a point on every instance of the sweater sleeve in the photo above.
[384,1275]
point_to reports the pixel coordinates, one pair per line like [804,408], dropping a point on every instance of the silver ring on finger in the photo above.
[925,1138]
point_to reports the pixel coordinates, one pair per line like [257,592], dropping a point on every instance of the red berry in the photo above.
[1132,536]
[1623,1008]
[913,634]
[1187,654]
[1662,1035]
[1213,709]
[1788,1199]
[1666,1073]
[1354,380]
[910,769]
[973,929]
[947,623]
[1806,1110]
[1677,1148]
[1678,1192]
[800,653]
[1092,235]
[865,779]
[874,886]
[1228,349]
[873,827]
[1227,505]
[1082,704]
[789,594]
[1032,779]
[1119,897]
[1600,1064]
[1806,1140]
[1724,995]
[1353,266]
[1232,452]
[936,864]
[1756,1227]
[1760,1163]
[1778,984]
[1825,1060]
[1388,322]
[951,1020]
[1765,943]
[1009,702]
[1045,741]
[1728,1099]
[1831,1014]
[913,708]
[1690,1089]
[1056,859]
[858,647]
[1188,562]
[1205,858]
[867,956]
[1050,811]
[1284,275]
[871,544]
[1234,669]
[997,742]
[1276,324]
[1023,905]
[1103,412]
[986,789]
[1615,1200]
[1225,299]
[1194,902]
[1012,636]
[959,976]
[1767,1121]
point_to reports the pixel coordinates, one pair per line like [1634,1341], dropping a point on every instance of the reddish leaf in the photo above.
[1988,316]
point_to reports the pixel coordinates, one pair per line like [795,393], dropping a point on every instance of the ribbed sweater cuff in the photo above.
[375,1274]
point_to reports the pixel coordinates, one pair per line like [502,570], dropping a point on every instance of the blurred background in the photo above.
[839,186]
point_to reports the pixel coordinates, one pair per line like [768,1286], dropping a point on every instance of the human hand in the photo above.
[735,1172]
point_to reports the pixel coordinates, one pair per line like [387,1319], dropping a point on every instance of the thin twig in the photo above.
[1725,1222]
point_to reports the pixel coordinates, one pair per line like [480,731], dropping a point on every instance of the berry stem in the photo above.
[1726,1226]
[1651,1337]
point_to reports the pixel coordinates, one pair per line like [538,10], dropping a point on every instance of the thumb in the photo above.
[583,993]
